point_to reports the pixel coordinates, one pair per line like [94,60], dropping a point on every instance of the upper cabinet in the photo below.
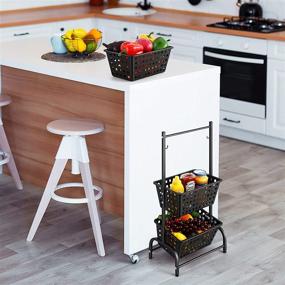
[276,90]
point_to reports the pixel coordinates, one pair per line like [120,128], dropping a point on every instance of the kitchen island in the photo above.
[126,157]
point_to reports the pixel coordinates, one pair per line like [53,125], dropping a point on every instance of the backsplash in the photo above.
[272,8]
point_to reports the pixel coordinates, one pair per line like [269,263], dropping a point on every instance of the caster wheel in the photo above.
[177,272]
[134,258]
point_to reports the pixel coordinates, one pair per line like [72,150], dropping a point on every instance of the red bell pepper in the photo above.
[131,48]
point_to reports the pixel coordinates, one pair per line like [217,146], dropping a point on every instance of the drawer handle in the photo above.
[21,34]
[164,35]
[231,121]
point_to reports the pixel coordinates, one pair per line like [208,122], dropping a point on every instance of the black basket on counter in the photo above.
[192,244]
[179,204]
[138,66]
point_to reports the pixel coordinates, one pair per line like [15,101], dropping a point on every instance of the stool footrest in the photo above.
[97,189]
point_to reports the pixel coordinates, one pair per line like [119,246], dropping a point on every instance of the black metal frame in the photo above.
[161,242]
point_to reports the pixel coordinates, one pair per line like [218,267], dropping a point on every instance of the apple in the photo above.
[147,44]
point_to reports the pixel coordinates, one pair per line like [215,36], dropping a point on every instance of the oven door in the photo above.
[243,80]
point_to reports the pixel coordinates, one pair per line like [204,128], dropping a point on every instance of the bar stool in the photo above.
[73,146]
[5,153]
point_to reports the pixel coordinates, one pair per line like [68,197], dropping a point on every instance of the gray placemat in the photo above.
[68,57]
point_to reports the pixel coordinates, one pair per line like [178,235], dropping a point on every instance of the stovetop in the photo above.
[258,25]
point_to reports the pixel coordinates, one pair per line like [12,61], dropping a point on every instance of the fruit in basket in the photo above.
[195,214]
[146,43]
[131,48]
[160,43]
[94,34]
[79,45]
[201,180]
[91,46]
[79,33]
[78,40]
[149,36]
[179,236]
[176,185]
[186,217]
[69,45]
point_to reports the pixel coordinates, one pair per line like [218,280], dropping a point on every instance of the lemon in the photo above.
[79,45]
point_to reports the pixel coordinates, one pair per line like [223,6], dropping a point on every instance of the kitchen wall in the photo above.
[21,4]
[272,8]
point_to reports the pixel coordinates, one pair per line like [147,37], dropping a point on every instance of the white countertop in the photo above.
[26,54]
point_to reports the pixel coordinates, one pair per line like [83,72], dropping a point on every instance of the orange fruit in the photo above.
[96,34]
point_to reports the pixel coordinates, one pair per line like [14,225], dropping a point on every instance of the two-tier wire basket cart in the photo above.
[177,204]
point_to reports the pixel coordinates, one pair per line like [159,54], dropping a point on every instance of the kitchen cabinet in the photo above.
[42,30]
[61,27]
[116,30]
[21,32]
[276,98]
[187,44]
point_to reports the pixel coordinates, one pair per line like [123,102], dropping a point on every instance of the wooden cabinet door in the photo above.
[276,99]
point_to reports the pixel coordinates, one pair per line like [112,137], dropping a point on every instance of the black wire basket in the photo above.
[138,66]
[192,244]
[179,204]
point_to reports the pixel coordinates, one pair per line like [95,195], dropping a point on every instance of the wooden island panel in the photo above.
[39,99]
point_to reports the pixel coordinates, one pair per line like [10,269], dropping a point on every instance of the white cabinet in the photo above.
[116,30]
[44,30]
[241,44]
[187,44]
[20,32]
[192,54]
[276,98]
[61,27]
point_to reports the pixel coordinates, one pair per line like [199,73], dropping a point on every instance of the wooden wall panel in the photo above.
[39,99]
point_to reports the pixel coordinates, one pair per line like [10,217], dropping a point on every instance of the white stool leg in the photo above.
[50,187]
[11,164]
[92,207]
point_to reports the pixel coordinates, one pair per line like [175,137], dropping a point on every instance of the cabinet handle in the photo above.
[231,121]
[125,29]
[21,34]
[164,35]
[62,29]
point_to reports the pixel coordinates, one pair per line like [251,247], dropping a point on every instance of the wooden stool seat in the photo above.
[5,100]
[75,127]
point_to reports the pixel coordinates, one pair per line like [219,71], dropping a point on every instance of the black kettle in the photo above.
[250,9]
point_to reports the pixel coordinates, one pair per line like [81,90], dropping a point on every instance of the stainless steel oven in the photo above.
[243,80]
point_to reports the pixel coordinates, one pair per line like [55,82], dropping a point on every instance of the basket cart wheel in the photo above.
[134,258]
[177,272]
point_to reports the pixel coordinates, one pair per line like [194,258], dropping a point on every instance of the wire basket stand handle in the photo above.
[163,168]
